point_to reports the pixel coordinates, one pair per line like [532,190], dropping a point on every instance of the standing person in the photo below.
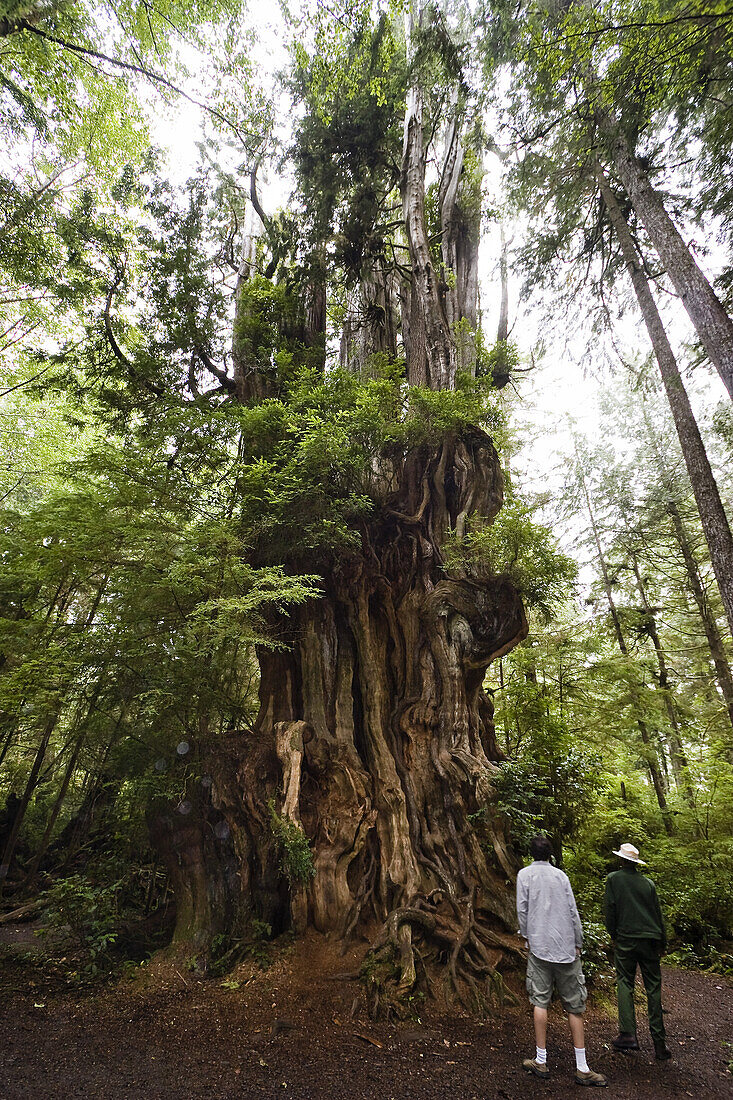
[549,922]
[635,924]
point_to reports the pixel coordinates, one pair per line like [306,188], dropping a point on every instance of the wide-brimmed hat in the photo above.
[628,851]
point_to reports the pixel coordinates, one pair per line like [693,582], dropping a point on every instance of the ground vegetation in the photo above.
[286,649]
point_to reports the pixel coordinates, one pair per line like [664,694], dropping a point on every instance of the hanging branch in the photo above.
[25,382]
[140,70]
[112,339]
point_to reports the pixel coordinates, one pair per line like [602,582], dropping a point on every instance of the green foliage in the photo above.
[434,413]
[129,613]
[550,786]
[266,311]
[36,440]
[514,545]
[82,915]
[497,362]
[596,959]
[76,148]
[380,970]
[309,472]
[694,879]
[347,142]
[296,856]
[723,424]
[227,951]
[691,875]
[260,946]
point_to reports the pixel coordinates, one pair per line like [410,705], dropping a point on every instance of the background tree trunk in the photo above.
[31,783]
[460,223]
[676,747]
[650,751]
[712,514]
[715,642]
[712,324]
[431,358]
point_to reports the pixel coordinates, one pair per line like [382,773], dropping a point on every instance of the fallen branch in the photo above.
[368,1039]
[22,913]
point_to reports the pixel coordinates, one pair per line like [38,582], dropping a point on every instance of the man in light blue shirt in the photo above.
[549,922]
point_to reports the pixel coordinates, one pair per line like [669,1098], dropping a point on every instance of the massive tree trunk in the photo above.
[431,358]
[712,514]
[202,869]
[375,735]
[361,801]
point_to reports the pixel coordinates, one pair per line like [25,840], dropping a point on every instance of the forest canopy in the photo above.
[302,623]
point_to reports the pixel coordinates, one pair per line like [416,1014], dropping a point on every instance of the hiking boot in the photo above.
[625,1040]
[538,1069]
[590,1079]
[662,1052]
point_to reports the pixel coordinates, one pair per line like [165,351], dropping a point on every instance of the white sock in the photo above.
[541,1056]
[580,1063]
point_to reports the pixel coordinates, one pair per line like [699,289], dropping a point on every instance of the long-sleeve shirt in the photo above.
[631,907]
[548,915]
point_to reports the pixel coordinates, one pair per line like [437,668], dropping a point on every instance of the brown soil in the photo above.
[299,1030]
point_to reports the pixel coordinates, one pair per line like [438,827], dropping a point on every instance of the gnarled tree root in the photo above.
[438,944]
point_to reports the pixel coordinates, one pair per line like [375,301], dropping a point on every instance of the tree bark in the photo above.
[362,799]
[460,224]
[30,787]
[710,626]
[201,867]
[432,351]
[712,514]
[369,328]
[676,747]
[710,319]
[375,734]
[650,749]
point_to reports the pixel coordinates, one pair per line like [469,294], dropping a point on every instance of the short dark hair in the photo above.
[540,847]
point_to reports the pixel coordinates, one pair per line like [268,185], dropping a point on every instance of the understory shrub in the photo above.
[296,856]
[83,917]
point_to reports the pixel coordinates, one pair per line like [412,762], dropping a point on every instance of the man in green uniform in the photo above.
[635,924]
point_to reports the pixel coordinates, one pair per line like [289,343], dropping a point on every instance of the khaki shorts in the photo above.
[567,978]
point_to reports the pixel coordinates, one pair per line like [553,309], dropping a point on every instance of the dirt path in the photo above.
[289,1032]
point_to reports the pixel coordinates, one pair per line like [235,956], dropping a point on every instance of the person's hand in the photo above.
[577,952]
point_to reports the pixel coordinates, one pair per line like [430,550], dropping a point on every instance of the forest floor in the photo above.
[299,1029]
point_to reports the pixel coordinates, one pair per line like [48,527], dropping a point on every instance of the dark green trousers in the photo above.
[646,955]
